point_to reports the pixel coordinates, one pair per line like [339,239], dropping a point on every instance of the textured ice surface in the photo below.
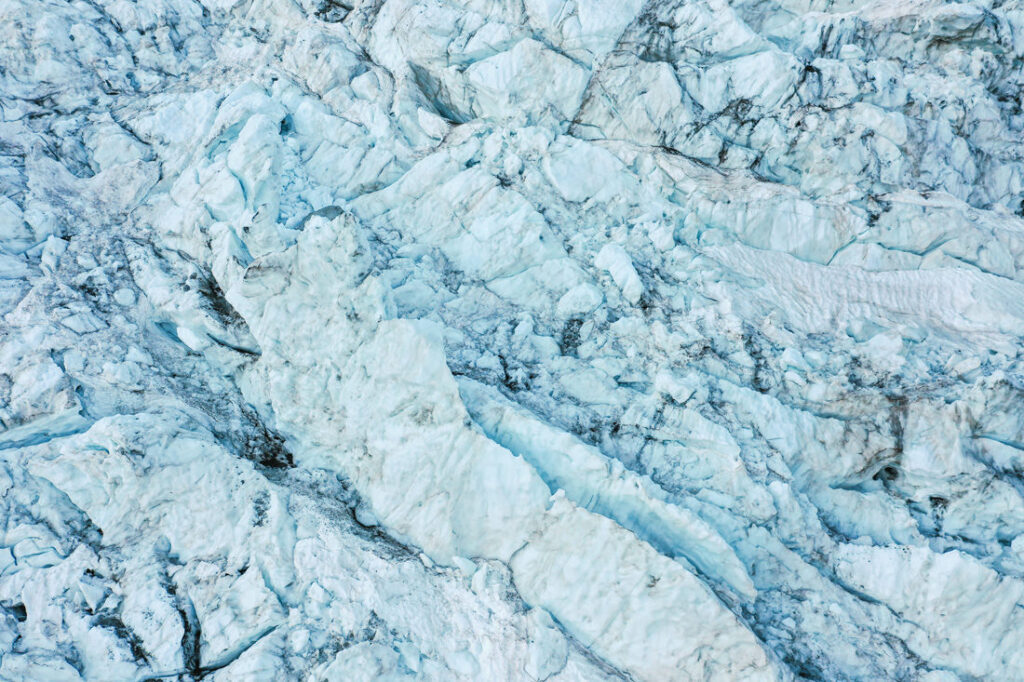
[554,340]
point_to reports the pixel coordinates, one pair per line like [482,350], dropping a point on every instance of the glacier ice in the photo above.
[555,340]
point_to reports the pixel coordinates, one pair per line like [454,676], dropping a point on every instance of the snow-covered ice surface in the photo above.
[489,340]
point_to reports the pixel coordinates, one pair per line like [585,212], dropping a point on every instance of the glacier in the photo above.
[476,340]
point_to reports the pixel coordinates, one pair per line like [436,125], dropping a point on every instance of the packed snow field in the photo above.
[488,340]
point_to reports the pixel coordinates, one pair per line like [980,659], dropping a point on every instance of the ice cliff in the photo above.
[488,340]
